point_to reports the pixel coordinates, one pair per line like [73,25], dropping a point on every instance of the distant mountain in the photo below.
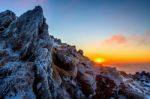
[35,65]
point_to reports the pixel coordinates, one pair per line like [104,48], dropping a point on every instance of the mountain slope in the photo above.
[34,64]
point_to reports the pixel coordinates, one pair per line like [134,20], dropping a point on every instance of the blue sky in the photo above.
[86,22]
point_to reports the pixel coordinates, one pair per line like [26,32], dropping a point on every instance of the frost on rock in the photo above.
[35,65]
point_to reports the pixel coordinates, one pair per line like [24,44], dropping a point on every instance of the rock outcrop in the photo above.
[34,64]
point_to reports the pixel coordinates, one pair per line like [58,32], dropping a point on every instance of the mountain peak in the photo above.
[38,8]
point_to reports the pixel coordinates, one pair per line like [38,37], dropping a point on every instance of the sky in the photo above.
[117,31]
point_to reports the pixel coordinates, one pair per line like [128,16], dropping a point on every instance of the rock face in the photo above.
[34,64]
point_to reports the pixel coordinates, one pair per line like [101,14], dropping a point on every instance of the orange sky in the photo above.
[120,49]
[121,56]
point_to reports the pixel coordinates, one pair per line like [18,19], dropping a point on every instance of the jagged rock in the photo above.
[34,64]
[144,79]
[5,19]
[64,58]
[80,51]
[24,36]
[106,88]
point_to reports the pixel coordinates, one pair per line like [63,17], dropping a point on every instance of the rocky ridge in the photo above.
[34,64]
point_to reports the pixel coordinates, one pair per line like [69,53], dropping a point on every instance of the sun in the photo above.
[99,60]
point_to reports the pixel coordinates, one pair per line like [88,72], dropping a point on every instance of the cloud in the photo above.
[117,39]
[134,39]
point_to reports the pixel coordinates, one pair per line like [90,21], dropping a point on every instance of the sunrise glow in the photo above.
[99,60]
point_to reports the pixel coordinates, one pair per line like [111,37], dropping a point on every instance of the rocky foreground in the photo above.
[34,64]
